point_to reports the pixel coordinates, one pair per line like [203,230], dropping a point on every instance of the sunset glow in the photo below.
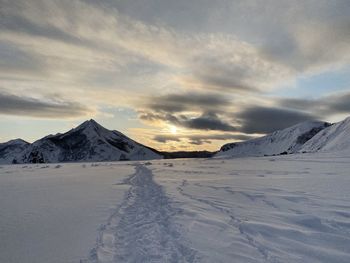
[204,73]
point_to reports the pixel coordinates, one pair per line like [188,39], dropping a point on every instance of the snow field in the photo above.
[270,209]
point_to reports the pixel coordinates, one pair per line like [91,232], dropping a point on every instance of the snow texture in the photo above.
[52,214]
[292,208]
[141,230]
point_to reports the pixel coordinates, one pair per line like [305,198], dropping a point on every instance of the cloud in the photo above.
[97,46]
[266,120]
[203,139]
[200,111]
[207,121]
[228,64]
[339,103]
[32,107]
[297,103]
[317,39]
[299,34]
[176,102]
[211,60]
[301,37]
[331,104]
[199,139]
[210,113]
[14,59]
[166,138]
[224,52]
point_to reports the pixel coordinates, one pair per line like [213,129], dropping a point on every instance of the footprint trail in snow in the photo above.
[142,228]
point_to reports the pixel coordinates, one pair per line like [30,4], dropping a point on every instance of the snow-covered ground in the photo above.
[292,208]
[51,214]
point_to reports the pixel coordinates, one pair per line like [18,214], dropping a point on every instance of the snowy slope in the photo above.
[289,140]
[11,148]
[335,138]
[88,142]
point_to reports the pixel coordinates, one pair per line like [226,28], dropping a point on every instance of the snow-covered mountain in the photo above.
[10,149]
[88,142]
[335,138]
[289,140]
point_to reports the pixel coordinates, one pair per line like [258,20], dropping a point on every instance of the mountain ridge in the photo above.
[87,142]
[334,138]
[91,142]
[286,141]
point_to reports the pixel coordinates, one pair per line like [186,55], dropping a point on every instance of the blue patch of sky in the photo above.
[317,85]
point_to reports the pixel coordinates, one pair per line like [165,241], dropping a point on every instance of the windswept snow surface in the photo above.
[292,208]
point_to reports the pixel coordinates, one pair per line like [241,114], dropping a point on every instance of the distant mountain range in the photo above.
[90,142]
[306,137]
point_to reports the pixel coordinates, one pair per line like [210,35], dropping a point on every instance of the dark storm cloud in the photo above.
[298,104]
[208,121]
[166,138]
[187,101]
[327,105]
[253,119]
[199,139]
[25,106]
[267,120]
[339,103]
[171,108]
[166,117]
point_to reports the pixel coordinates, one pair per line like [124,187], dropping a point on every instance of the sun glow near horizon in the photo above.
[173,129]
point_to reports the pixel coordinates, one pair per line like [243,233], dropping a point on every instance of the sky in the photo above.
[174,75]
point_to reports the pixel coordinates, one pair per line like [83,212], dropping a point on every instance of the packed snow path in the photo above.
[141,229]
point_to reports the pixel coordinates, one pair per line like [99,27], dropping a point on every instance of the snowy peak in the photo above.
[88,142]
[90,125]
[288,140]
[335,138]
[92,142]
